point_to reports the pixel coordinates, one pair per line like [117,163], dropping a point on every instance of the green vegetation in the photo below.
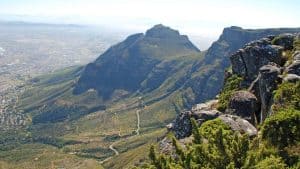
[231,85]
[282,128]
[219,147]
[287,96]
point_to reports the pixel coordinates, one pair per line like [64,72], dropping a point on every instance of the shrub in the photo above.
[271,163]
[231,85]
[282,129]
[208,129]
[287,96]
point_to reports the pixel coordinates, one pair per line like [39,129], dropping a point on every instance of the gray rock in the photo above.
[285,40]
[182,126]
[268,79]
[294,68]
[296,55]
[204,115]
[247,62]
[291,78]
[238,124]
[243,104]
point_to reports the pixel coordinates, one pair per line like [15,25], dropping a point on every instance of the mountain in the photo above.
[123,100]
[127,65]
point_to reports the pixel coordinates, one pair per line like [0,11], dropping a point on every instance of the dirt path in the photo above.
[113,149]
[138,122]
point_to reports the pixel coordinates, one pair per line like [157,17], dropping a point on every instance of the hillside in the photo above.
[123,99]
[254,123]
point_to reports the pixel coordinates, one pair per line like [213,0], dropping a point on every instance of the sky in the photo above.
[197,17]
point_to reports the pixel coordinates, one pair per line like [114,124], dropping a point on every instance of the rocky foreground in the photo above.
[261,65]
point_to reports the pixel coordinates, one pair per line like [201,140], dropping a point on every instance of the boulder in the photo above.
[243,104]
[238,124]
[291,78]
[285,40]
[268,79]
[182,126]
[204,115]
[296,55]
[294,68]
[209,105]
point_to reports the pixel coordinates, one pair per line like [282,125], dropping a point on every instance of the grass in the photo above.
[36,156]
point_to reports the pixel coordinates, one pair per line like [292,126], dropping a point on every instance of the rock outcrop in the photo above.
[239,125]
[247,61]
[268,77]
[261,64]
[182,126]
[243,104]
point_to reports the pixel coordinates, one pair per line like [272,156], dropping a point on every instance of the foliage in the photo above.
[223,150]
[287,96]
[271,163]
[231,85]
[282,129]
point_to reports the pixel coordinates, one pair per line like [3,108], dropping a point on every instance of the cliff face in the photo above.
[232,39]
[260,67]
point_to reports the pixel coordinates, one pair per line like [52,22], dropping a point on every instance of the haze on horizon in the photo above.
[201,18]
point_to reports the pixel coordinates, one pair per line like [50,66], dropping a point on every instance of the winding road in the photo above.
[111,147]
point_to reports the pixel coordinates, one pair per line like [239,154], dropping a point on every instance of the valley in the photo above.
[106,111]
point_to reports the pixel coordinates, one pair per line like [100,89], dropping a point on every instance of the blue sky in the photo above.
[206,18]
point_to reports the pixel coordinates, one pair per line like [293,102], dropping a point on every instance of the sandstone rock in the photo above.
[247,62]
[296,55]
[238,124]
[182,126]
[205,106]
[285,40]
[243,104]
[268,76]
[291,78]
[204,115]
[294,68]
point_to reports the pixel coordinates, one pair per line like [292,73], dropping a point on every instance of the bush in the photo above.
[282,129]
[208,129]
[287,96]
[231,85]
[271,163]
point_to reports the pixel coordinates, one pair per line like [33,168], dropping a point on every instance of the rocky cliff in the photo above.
[261,66]
[217,56]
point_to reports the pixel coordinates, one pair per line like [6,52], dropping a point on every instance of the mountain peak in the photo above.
[161,31]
